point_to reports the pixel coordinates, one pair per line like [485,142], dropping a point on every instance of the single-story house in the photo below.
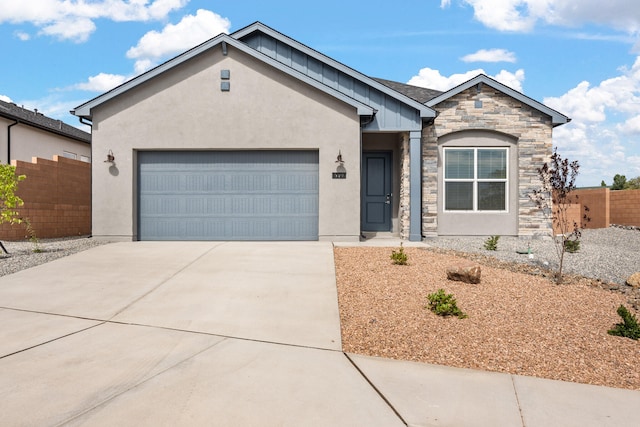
[25,134]
[255,136]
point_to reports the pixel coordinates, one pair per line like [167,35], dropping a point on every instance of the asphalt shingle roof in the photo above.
[36,119]
[417,93]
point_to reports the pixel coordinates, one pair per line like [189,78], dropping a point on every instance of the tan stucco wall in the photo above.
[28,142]
[184,109]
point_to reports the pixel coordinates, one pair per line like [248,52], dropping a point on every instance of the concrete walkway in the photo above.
[236,334]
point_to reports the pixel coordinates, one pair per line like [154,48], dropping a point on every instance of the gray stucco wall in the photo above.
[500,113]
[184,109]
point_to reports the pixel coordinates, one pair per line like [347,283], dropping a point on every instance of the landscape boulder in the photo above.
[634,280]
[467,272]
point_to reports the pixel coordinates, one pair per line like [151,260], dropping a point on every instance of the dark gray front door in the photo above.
[376,191]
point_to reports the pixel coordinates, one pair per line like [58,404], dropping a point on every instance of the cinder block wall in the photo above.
[625,207]
[573,214]
[57,198]
[599,204]
[606,207]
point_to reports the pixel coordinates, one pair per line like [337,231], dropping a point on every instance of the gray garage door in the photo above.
[228,195]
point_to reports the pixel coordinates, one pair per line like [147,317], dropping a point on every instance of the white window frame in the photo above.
[69,155]
[475,180]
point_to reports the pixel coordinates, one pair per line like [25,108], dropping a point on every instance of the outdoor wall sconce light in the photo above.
[341,172]
[110,158]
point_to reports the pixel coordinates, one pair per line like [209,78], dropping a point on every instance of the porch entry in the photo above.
[376,191]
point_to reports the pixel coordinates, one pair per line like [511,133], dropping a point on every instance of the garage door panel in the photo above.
[248,195]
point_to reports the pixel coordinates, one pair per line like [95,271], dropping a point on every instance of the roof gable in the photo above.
[246,34]
[223,41]
[556,117]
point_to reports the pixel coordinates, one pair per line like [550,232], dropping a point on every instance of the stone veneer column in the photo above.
[429,182]
[404,214]
[415,189]
[500,113]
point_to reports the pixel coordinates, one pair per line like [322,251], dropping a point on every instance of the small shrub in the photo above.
[629,327]
[33,237]
[444,304]
[399,257]
[572,246]
[491,244]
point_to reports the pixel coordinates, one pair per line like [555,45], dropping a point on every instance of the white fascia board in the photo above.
[84,110]
[556,117]
[425,111]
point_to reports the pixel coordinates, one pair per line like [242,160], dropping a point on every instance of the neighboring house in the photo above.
[255,136]
[25,134]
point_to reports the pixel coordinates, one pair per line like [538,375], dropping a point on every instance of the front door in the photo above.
[376,191]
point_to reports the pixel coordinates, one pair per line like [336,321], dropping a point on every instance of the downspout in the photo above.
[88,123]
[9,140]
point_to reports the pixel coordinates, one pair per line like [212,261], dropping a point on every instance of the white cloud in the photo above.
[490,55]
[631,126]
[21,35]
[432,79]
[604,134]
[590,104]
[189,32]
[5,98]
[75,19]
[72,28]
[522,15]
[102,82]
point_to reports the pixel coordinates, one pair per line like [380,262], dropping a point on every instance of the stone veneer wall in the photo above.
[499,113]
[404,215]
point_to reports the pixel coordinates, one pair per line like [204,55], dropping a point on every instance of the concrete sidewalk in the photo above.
[230,334]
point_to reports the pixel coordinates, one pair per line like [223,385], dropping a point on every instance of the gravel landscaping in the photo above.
[22,255]
[519,320]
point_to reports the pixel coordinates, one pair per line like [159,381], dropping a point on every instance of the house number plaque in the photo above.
[339,175]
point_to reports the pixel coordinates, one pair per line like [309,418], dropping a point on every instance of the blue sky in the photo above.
[581,57]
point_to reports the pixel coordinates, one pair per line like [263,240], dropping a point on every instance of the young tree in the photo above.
[9,202]
[554,199]
[603,184]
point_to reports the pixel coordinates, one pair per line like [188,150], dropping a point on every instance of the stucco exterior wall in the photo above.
[185,109]
[500,113]
[28,142]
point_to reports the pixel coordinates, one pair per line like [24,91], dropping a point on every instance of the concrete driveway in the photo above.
[235,334]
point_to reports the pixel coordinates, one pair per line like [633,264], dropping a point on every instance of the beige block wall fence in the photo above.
[57,198]
[606,207]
